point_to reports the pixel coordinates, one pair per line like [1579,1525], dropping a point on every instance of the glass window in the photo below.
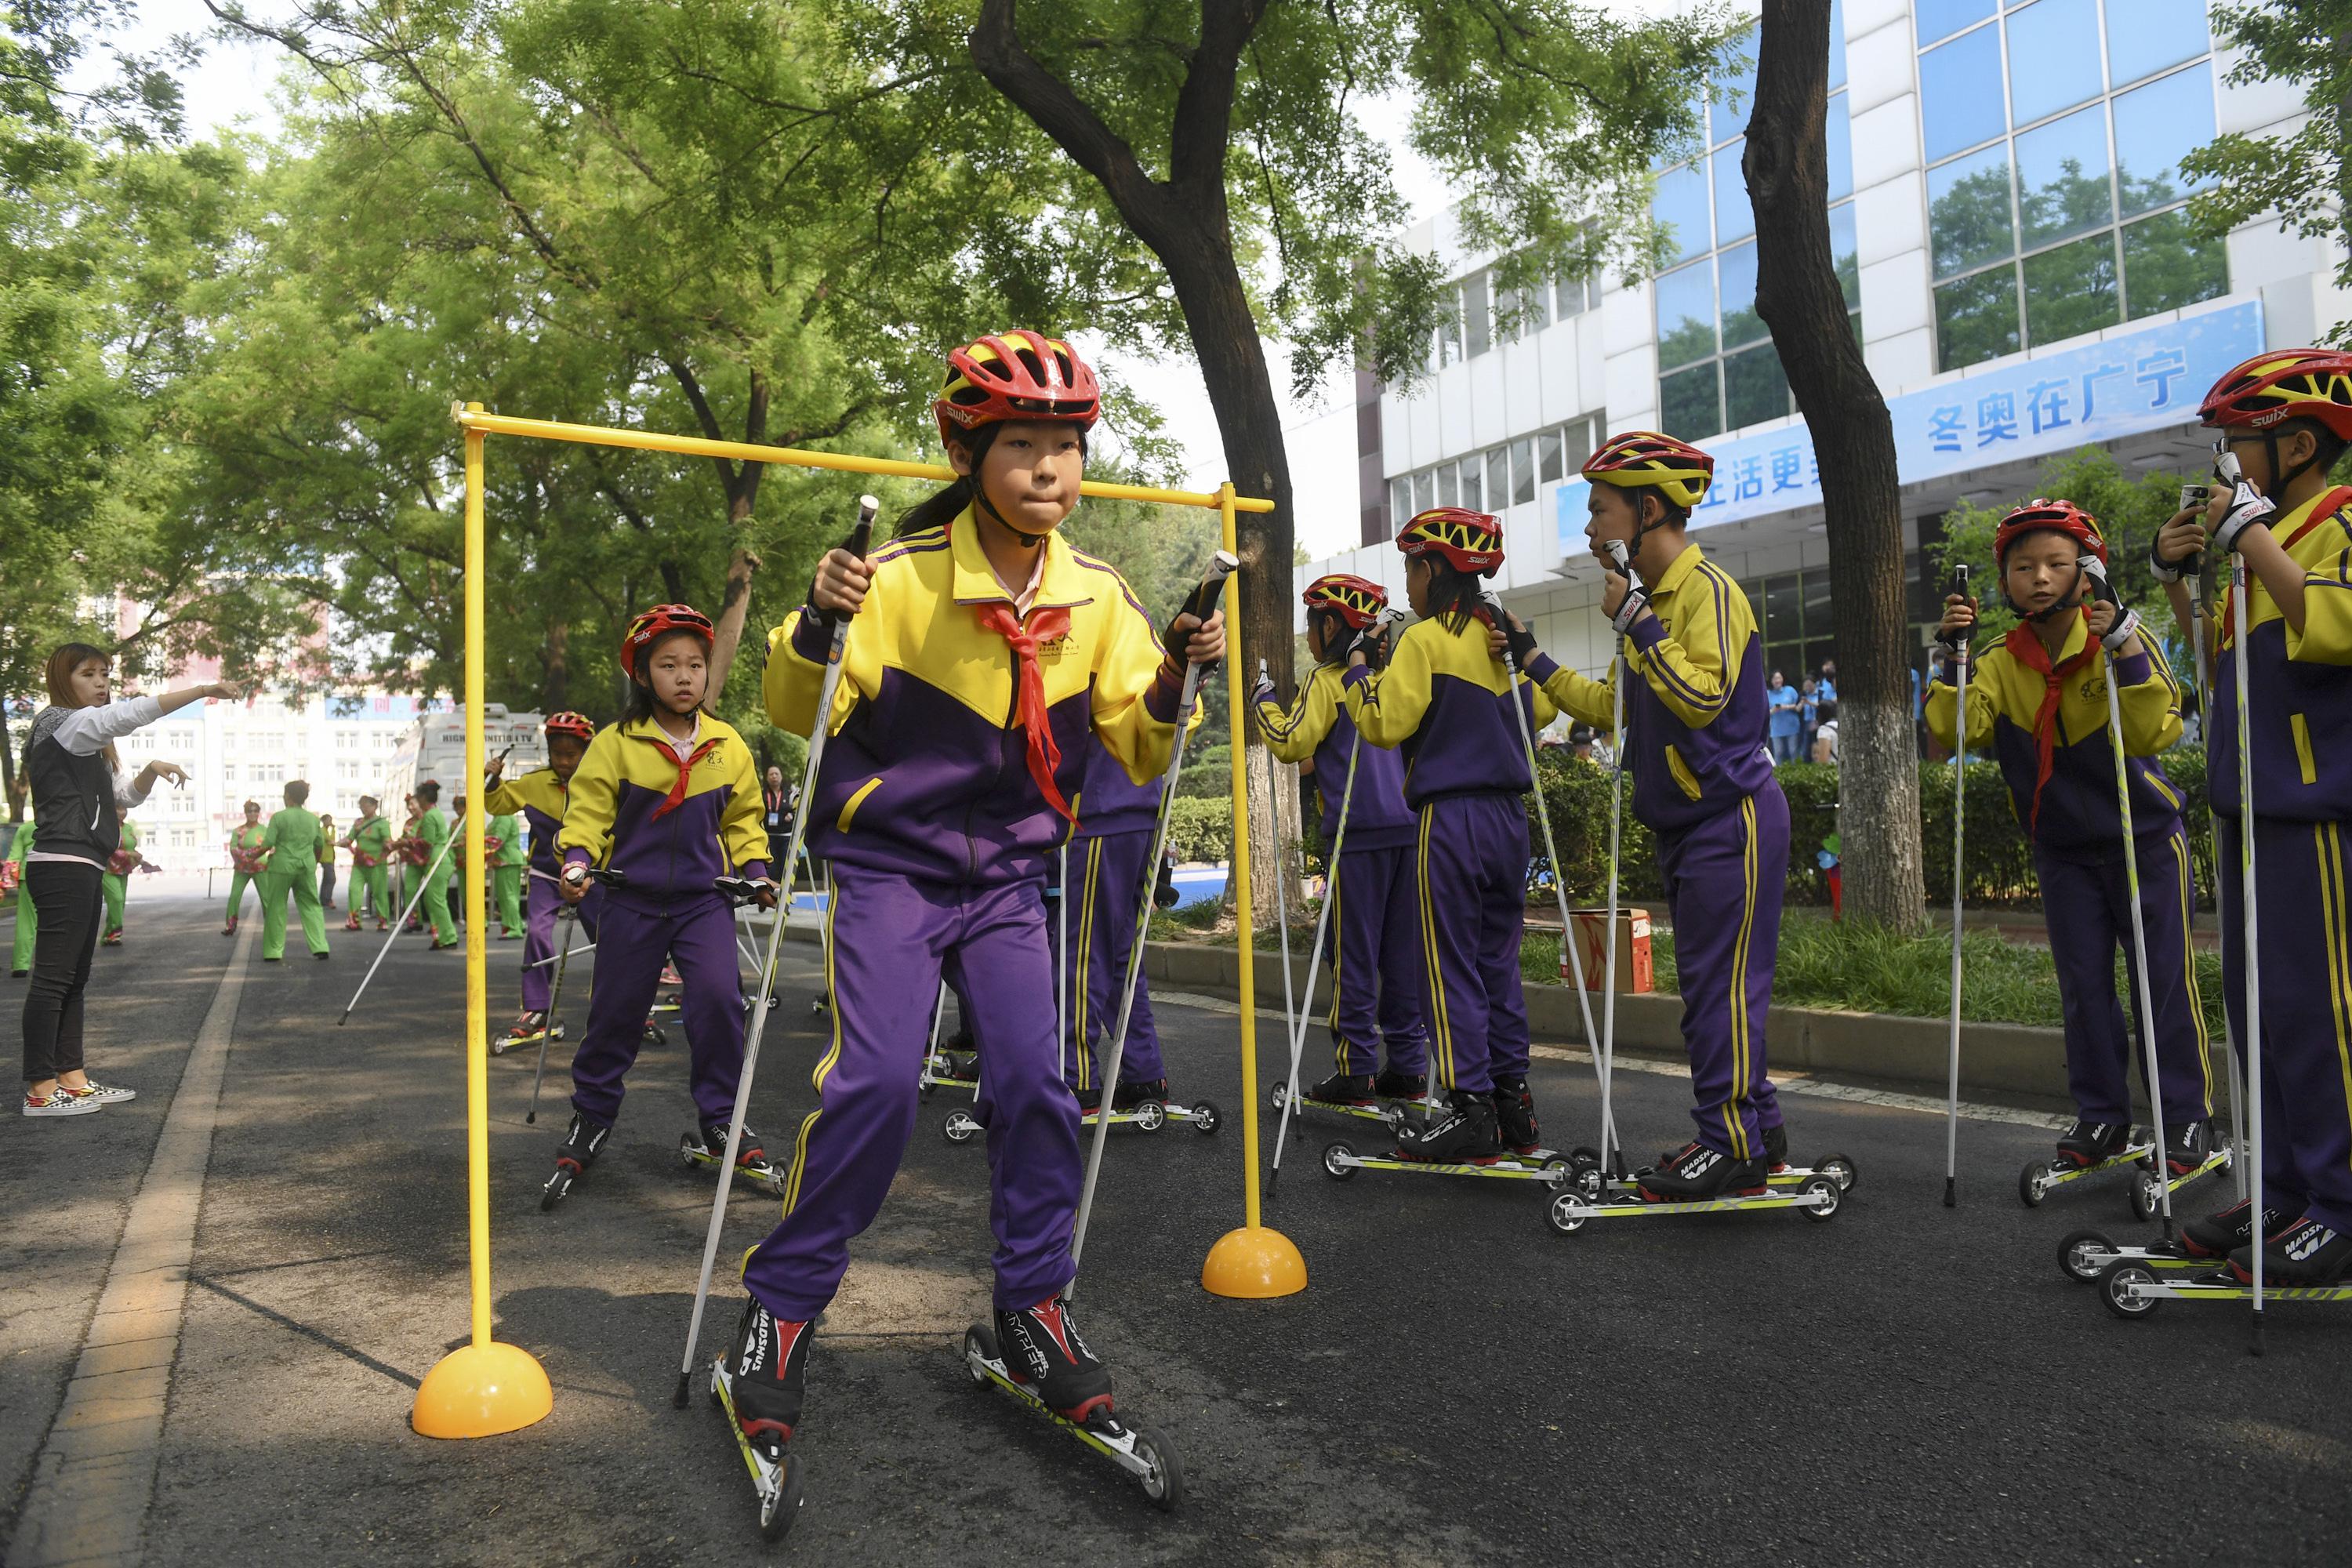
[1448,492]
[1679,205]
[2062,178]
[1976,318]
[1838,130]
[1401,505]
[1732,88]
[1837,43]
[1942,18]
[1547,456]
[1425,489]
[2149,35]
[1688,405]
[1967,211]
[1734,218]
[1753,388]
[1784,608]
[1499,478]
[1473,495]
[1534,309]
[1846,254]
[2155,126]
[2168,265]
[1474,311]
[1523,471]
[1569,296]
[1959,93]
[2072,289]
[1576,436]
[1686,315]
[1742,324]
[1449,330]
[2053,58]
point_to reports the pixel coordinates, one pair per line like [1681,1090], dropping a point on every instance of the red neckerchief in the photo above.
[676,796]
[2028,650]
[1044,756]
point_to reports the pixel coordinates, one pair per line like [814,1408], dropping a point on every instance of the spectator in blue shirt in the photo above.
[1828,691]
[1781,703]
[1809,704]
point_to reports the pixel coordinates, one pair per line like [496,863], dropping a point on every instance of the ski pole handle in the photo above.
[1201,603]
[1621,562]
[862,534]
[1961,587]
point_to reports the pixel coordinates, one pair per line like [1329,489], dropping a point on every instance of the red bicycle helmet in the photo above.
[2056,516]
[577,725]
[1015,375]
[653,624]
[1644,458]
[1358,600]
[2282,384]
[1467,541]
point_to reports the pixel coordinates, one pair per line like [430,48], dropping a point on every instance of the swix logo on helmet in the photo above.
[1467,541]
[1015,375]
[1358,601]
[653,624]
[567,722]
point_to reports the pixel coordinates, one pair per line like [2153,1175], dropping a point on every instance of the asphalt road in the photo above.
[1458,1384]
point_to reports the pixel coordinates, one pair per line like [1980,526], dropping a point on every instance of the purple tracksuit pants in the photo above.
[1106,893]
[1374,946]
[2088,907]
[540,901]
[890,938]
[1724,880]
[1470,857]
[633,942]
[2301,872]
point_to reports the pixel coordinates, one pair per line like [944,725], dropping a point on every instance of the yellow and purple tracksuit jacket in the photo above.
[1443,701]
[1694,724]
[2046,722]
[540,797]
[2300,682]
[1317,726]
[671,829]
[928,774]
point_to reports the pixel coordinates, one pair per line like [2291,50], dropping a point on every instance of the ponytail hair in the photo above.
[1453,595]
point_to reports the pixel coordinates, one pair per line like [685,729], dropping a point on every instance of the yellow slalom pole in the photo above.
[1251,1262]
[484,1387]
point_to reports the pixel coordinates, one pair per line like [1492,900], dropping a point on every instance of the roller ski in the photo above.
[1462,1139]
[2190,1154]
[1392,1098]
[2202,1246]
[527,1030]
[1143,1105]
[955,1065]
[1587,1177]
[582,1143]
[2089,1149]
[759,1385]
[1038,1356]
[707,1149]
[2307,1260]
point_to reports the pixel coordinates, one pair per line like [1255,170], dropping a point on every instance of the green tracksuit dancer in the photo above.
[292,842]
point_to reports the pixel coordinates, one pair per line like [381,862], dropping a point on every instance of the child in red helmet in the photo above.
[1444,702]
[1696,717]
[668,801]
[984,659]
[540,796]
[2038,702]
[2285,419]
[1376,970]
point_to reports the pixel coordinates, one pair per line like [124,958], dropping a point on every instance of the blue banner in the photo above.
[2141,381]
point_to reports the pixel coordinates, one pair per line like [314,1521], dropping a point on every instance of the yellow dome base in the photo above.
[480,1391]
[1253,1264]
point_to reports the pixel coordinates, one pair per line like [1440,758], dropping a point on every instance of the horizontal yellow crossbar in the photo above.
[845,462]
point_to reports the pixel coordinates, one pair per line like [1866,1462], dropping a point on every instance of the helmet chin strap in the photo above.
[1028,541]
[2064,603]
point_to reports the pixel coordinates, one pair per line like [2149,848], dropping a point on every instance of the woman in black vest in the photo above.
[79,791]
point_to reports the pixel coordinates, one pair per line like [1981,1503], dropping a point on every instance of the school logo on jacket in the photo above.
[1056,645]
[2093,688]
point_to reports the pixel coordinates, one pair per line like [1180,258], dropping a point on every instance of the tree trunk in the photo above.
[1798,296]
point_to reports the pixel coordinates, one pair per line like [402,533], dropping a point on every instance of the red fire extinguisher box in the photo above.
[1633,950]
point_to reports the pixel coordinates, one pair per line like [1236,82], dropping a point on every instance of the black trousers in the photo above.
[67,903]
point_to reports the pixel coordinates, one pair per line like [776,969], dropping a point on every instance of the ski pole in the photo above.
[1559,881]
[550,958]
[1202,604]
[1282,923]
[554,997]
[2198,618]
[2243,604]
[2097,571]
[422,883]
[1314,956]
[932,1052]
[1960,652]
[1623,566]
[819,727]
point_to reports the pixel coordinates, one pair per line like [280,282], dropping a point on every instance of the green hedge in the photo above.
[1201,829]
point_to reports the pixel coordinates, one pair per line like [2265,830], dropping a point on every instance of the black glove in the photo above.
[1521,642]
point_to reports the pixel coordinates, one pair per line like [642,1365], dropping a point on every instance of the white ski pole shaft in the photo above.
[2150,1070]
[1959,889]
[819,728]
[932,1052]
[555,999]
[1568,943]
[2244,639]
[1315,959]
[2228,1030]
[1281,900]
[397,927]
[1204,603]
[544,963]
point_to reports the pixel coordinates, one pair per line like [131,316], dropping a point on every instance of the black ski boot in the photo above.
[1128,1096]
[1394,1085]
[2188,1146]
[1698,1172]
[1089,1097]
[582,1143]
[766,1374]
[1776,1149]
[2219,1234]
[1464,1132]
[1043,1350]
[2309,1252]
[2089,1144]
[751,1159]
[1515,1116]
[1346,1089]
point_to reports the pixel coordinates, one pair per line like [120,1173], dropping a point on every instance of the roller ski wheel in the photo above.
[1140,1451]
[2034,1183]
[583,1141]
[2119,1286]
[1338,1162]
[960,1126]
[1826,1194]
[1278,1096]
[2147,1195]
[1569,1212]
[1841,1169]
[1204,1117]
[2084,1255]
[751,1164]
